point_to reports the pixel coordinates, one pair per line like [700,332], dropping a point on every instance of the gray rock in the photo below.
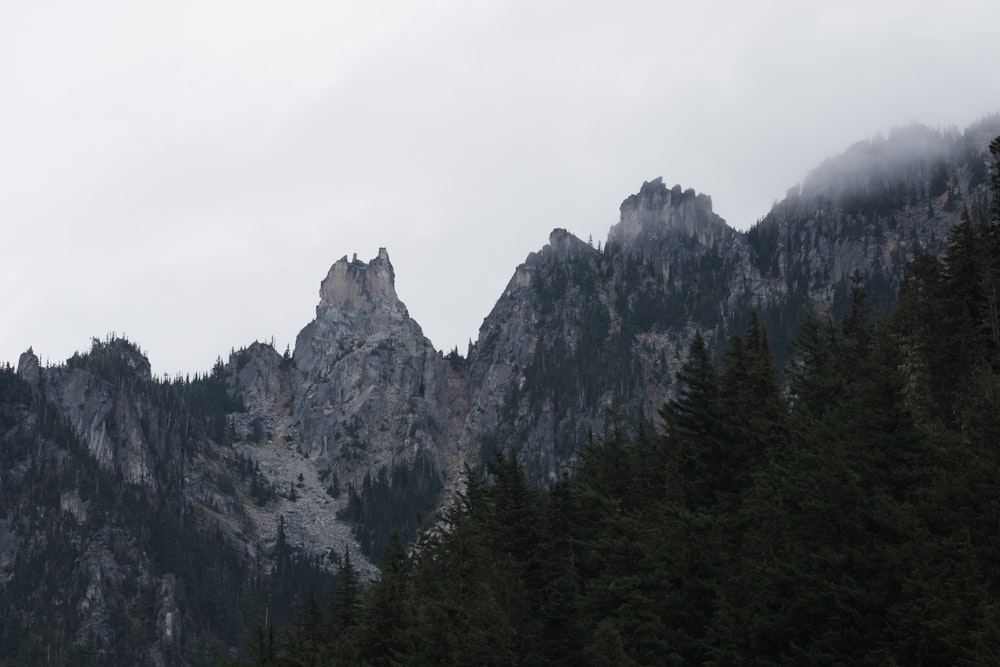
[369,388]
[29,369]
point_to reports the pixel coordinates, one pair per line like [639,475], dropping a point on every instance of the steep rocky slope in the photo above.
[578,330]
[370,389]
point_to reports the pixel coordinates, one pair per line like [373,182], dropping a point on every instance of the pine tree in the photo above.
[387,621]
[995,178]
[694,420]
[915,324]
[696,411]
[451,588]
[814,381]
[348,599]
[755,415]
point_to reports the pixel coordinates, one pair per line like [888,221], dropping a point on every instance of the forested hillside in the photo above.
[848,520]
[690,445]
[96,568]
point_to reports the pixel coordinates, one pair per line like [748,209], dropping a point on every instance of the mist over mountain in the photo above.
[149,521]
[909,153]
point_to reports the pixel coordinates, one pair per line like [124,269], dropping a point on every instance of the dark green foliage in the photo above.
[455,360]
[114,360]
[753,410]
[140,549]
[42,464]
[388,614]
[812,374]
[348,599]
[392,504]
[947,319]
[695,421]
[854,523]
[122,365]
[253,481]
[995,178]
[697,411]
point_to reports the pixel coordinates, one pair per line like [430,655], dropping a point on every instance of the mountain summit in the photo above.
[655,212]
[353,286]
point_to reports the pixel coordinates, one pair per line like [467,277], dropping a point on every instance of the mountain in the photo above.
[579,330]
[153,521]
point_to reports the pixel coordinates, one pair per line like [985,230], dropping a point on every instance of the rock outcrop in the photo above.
[580,333]
[107,415]
[261,377]
[655,211]
[370,389]
[29,369]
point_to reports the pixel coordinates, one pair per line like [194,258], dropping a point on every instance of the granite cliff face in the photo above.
[106,416]
[655,211]
[579,332]
[370,389]
[547,322]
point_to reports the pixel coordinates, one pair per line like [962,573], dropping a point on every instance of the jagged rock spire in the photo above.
[655,212]
[357,286]
[29,368]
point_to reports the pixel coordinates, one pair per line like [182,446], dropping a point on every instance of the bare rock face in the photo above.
[370,389]
[108,417]
[543,326]
[29,369]
[655,210]
[694,253]
[579,334]
[358,287]
[261,377]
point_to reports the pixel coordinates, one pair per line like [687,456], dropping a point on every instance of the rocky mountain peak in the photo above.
[131,356]
[358,303]
[358,286]
[655,195]
[29,368]
[260,376]
[369,388]
[563,244]
[656,213]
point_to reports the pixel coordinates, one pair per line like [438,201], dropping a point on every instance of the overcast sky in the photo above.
[184,173]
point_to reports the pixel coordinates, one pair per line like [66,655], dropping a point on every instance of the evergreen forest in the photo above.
[840,510]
